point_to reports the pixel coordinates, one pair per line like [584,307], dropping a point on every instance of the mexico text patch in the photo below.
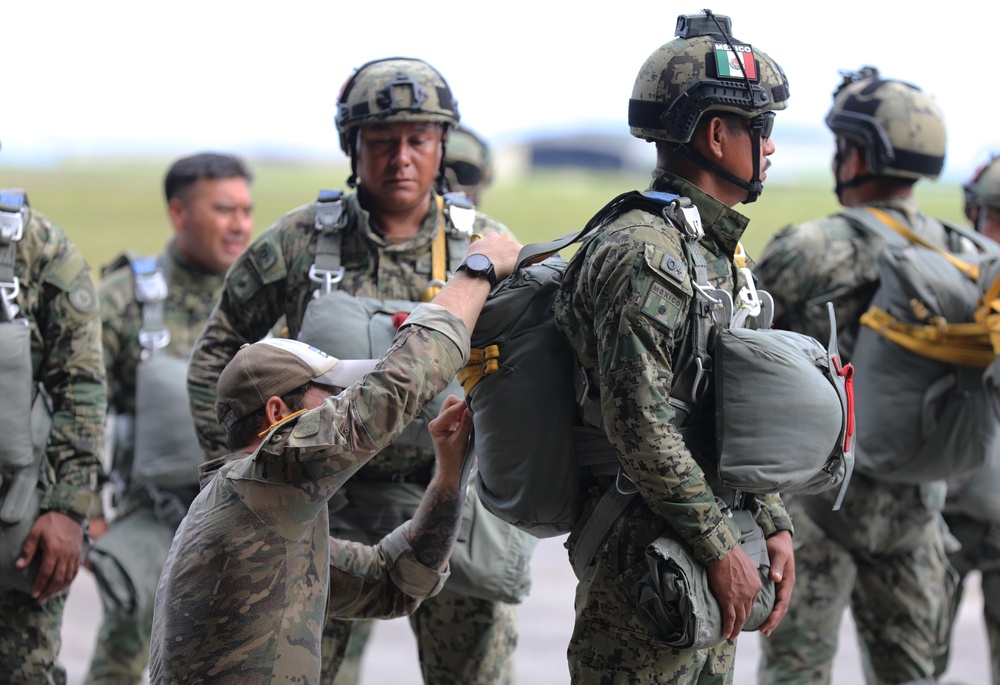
[662,305]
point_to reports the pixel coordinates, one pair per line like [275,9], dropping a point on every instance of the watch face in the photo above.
[478,262]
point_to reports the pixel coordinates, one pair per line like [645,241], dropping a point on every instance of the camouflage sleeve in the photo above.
[66,342]
[120,323]
[327,445]
[772,516]
[251,303]
[638,313]
[384,581]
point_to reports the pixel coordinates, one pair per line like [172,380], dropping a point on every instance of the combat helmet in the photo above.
[898,126]
[705,70]
[983,189]
[468,163]
[392,89]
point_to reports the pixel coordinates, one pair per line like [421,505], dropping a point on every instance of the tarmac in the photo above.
[545,623]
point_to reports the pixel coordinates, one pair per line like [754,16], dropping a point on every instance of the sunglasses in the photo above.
[763,123]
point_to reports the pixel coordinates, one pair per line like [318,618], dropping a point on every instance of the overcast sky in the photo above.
[173,77]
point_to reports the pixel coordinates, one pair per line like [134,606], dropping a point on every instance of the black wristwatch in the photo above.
[478,264]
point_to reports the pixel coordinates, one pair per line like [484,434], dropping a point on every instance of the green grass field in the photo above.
[108,206]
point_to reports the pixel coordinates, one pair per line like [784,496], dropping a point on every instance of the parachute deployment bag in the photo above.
[166,450]
[532,449]
[349,327]
[928,410]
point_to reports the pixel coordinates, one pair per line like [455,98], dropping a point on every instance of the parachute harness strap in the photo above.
[13,207]
[975,344]
[482,362]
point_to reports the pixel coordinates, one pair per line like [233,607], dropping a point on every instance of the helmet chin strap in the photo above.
[754,187]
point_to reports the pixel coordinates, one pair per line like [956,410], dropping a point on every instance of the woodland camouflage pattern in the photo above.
[271,279]
[630,351]
[882,553]
[243,602]
[122,648]
[57,297]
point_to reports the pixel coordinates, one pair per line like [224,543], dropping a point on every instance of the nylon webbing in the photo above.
[970,270]
[150,283]
[12,204]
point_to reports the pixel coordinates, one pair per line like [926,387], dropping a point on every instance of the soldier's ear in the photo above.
[710,137]
[177,211]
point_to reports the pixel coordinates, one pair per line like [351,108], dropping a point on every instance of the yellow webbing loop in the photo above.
[988,316]
[482,362]
[967,344]
[740,256]
[439,257]
[970,270]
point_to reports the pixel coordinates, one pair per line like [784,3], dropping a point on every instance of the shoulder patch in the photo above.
[307,426]
[66,270]
[672,266]
[662,305]
[83,299]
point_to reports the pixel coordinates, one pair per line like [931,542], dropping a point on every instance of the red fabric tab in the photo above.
[398,318]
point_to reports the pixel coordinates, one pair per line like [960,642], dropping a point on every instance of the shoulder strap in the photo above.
[459,219]
[331,218]
[651,201]
[150,284]
[13,207]
[892,229]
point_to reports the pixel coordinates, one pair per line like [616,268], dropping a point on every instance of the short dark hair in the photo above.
[246,430]
[187,171]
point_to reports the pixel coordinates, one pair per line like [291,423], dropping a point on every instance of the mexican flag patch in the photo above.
[738,64]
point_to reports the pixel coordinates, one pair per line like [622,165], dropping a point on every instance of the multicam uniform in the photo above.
[242,598]
[630,351]
[58,300]
[882,552]
[461,639]
[122,648]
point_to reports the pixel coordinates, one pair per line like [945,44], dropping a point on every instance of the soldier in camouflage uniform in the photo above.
[51,292]
[882,553]
[256,544]
[209,204]
[468,163]
[393,118]
[467,169]
[714,153]
[970,510]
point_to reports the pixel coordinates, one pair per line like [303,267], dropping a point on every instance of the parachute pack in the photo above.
[536,435]
[25,410]
[157,447]
[928,382]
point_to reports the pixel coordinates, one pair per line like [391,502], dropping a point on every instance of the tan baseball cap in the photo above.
[276,366]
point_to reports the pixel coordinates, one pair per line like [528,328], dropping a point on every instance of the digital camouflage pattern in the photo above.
[980,551]
[57,297]
[270,280]
[831,260]
[882,552]
[631,352]
[681,67]
[900,601]
[122,647]
[243,596]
